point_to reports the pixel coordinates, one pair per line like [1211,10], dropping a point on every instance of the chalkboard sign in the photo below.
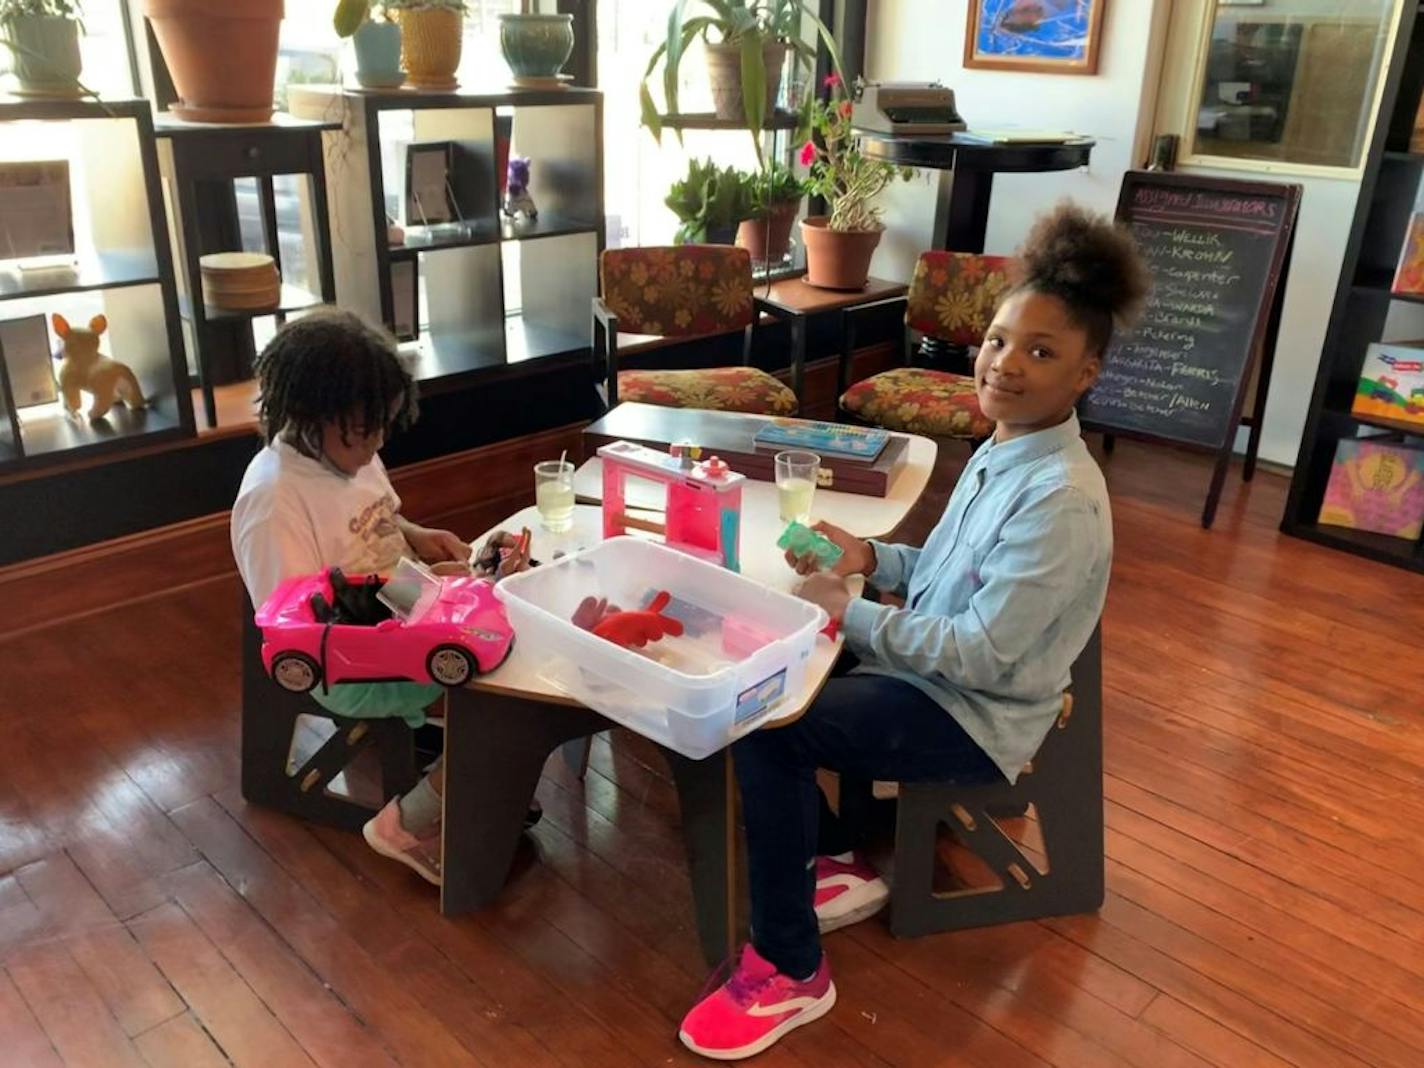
[1217,248]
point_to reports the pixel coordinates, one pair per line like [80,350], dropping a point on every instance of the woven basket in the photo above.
[430,46]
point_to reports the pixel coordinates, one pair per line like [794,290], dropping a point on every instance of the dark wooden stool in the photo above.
[269,718]
[1064,783]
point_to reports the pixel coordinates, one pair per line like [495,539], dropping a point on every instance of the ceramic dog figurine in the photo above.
[82,368]
[516,195]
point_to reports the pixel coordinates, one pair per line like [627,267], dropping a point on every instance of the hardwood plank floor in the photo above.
[1264,753]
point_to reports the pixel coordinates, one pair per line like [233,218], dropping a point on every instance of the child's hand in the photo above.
[827,590]
[436,546]
[857,558]
[501,555]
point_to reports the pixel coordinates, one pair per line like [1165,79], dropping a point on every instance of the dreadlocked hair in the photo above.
[1091,265]
[331,366]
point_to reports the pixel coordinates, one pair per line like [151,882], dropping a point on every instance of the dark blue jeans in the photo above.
[867,726]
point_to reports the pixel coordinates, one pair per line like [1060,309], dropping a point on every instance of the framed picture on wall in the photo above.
[1052,36]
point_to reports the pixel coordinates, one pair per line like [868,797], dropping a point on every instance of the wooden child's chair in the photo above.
[269,720]
[1063,782]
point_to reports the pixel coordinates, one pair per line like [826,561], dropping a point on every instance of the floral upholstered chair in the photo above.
[953,297]
[688,291]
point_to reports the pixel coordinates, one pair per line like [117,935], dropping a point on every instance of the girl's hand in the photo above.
[857,556]
[827,590]
[436,546]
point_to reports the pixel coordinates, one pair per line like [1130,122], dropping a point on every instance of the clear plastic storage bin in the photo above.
[742,655]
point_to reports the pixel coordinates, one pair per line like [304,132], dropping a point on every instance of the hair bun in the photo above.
[1088,262]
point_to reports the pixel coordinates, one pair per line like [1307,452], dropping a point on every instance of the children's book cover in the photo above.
[1376,487]
[1409,275]
[1392,383]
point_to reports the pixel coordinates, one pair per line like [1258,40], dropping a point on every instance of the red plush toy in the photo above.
[634,629]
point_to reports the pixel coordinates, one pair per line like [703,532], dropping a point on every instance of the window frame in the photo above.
[1183,75]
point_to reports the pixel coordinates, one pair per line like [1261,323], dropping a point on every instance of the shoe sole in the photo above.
[862,910]
[396,855]
[775,1035]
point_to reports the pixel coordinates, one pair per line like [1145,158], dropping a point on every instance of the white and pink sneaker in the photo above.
[383,833]
[848,890]
[753,1009]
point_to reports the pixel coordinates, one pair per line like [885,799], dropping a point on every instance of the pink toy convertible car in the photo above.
[326,626]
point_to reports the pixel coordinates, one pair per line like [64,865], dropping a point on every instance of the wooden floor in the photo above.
[1264,756]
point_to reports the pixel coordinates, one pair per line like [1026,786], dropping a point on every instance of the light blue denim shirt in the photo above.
[1003,596]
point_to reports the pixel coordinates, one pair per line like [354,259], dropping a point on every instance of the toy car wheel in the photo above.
[296,672]
[449,665]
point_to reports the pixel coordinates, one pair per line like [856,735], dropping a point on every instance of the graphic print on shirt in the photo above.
[376,531]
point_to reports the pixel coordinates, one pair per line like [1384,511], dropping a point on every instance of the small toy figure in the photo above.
[800,539]
[628,629]
[516,192]
[82,368]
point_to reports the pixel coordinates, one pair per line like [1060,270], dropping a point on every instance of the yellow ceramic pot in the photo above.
[430,46]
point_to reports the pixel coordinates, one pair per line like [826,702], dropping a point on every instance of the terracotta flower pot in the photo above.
[430,46]
[768,239]
[724,71]
[837,259]
[222,55]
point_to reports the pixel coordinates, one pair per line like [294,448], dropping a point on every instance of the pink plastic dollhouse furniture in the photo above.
[704,500]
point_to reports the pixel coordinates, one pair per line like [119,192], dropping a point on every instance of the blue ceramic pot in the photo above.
[378,55]
[536,46]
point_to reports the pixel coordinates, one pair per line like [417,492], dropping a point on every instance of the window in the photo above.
[103,48]
[1289,82]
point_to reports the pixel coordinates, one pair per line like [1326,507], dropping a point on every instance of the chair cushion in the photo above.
[682,291]
[919,401]
[954,295]
[723,389]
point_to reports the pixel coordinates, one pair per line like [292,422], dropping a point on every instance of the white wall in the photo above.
[917,40]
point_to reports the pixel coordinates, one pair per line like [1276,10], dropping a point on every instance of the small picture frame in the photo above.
[27,362]
[36,216]
[429,195]
[1047,36]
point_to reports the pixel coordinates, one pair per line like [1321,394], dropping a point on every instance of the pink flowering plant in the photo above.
[847,179]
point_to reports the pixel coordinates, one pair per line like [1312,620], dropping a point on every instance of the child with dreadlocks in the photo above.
[965,680]
[317,496]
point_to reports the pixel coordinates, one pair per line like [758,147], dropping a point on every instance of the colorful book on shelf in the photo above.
[1392,383]
[1409,275]
[840,440]
[1376,487]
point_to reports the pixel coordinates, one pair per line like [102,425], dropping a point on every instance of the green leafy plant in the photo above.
[350,15]
[64,9]
[749,24]
[848,180]
[709,198]
[775,184]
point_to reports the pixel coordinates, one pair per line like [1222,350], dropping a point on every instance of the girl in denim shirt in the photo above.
[964,681]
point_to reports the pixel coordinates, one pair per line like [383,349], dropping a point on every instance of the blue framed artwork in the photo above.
[1053,36]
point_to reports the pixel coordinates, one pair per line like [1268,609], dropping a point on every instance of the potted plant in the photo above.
[710,203]
[377,39]
[839,245]
[43,38]
[744,64]
[535,46]
[776,196]
[222,55]
[432,32]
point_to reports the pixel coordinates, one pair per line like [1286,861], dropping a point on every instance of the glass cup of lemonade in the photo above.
[554,494]
[796,484]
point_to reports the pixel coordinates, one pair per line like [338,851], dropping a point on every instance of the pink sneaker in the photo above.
[848,890]
[383,833]
[754,1008]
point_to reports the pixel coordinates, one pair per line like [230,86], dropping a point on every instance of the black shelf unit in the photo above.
[123,271]
[202,164]
[1388,190]
[468,332]
[779,119]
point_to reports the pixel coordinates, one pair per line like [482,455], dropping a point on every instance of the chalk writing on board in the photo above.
[1178,374]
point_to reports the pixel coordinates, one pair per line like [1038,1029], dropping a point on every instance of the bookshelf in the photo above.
[122,269]
[1365,311]
[467,308]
